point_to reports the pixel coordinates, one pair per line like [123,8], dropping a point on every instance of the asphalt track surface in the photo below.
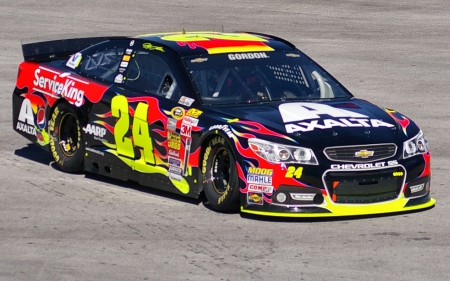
[57,226]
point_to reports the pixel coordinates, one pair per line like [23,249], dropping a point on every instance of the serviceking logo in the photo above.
[58,84]
[299,116]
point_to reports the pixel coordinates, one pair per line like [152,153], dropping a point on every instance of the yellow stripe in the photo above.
[395,206]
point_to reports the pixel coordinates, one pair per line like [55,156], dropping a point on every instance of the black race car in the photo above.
[246,118]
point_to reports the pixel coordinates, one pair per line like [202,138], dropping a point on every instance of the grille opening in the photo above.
[368,182]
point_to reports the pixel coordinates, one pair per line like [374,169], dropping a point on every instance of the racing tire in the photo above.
[219,176]
[66,141]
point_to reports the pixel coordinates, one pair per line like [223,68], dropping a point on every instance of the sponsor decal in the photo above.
[41,121]
[310,115]
[151,47]
[95,151]
[128,51]
[177,112]
[186,130]
[261,176]
[171,124]
[260,171]
[193,112]
[124,64]
[74,61]
[186,101]
[131,43]
[59,85]
[190,121]
[363,166]
[224,128]
[260,188]
[251,178]
[254,198]
[126,58]
[248,56]
[175,153]
[118,79]
[25,121]
[173,140]
[176,177]
[95,130]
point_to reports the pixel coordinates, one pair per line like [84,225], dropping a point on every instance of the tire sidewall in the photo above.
[228,200]
[69,163]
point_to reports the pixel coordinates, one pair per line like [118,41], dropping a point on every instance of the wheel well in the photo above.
[204,145]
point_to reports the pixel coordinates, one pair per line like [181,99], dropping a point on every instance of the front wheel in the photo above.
[66,143]
[219,175]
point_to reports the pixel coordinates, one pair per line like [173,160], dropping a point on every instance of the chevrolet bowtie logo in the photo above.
[363,153]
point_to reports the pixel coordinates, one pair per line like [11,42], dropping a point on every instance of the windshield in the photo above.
[261,77]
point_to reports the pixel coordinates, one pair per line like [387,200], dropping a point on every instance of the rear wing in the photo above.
[59,49]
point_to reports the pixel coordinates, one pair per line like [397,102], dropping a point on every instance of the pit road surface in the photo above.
[58,226]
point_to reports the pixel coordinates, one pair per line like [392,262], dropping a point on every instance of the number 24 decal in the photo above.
[140,133]
[292,172]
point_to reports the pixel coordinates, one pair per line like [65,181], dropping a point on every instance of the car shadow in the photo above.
[36,154]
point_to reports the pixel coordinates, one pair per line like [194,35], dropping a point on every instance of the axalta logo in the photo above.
[25,120]
[95,130]
[292,113]
[248,56]
[58,85]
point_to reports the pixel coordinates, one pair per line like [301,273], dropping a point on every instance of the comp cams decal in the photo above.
[306,117]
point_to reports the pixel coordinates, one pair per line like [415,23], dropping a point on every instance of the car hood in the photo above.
[322,124]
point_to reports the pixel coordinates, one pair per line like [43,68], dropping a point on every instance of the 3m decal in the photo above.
[295,112]
[186,130]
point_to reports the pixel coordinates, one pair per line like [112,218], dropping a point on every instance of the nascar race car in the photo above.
[245,118]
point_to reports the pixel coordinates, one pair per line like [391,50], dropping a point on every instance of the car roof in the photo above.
[209,42]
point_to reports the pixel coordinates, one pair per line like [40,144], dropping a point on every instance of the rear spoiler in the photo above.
[59,49]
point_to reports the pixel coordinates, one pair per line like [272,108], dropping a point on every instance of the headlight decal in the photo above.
[415,146]
[279,153]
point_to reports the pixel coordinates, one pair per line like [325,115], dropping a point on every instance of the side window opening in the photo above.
[150,73]
[102,64]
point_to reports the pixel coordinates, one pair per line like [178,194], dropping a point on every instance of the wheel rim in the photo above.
[221,170]
[68,134]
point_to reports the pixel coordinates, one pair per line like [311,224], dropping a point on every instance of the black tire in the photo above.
[66,141]
[219,176]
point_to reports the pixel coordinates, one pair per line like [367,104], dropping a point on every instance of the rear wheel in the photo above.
[66,143]
[219,174]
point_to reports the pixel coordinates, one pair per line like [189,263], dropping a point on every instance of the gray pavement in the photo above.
[57,226]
